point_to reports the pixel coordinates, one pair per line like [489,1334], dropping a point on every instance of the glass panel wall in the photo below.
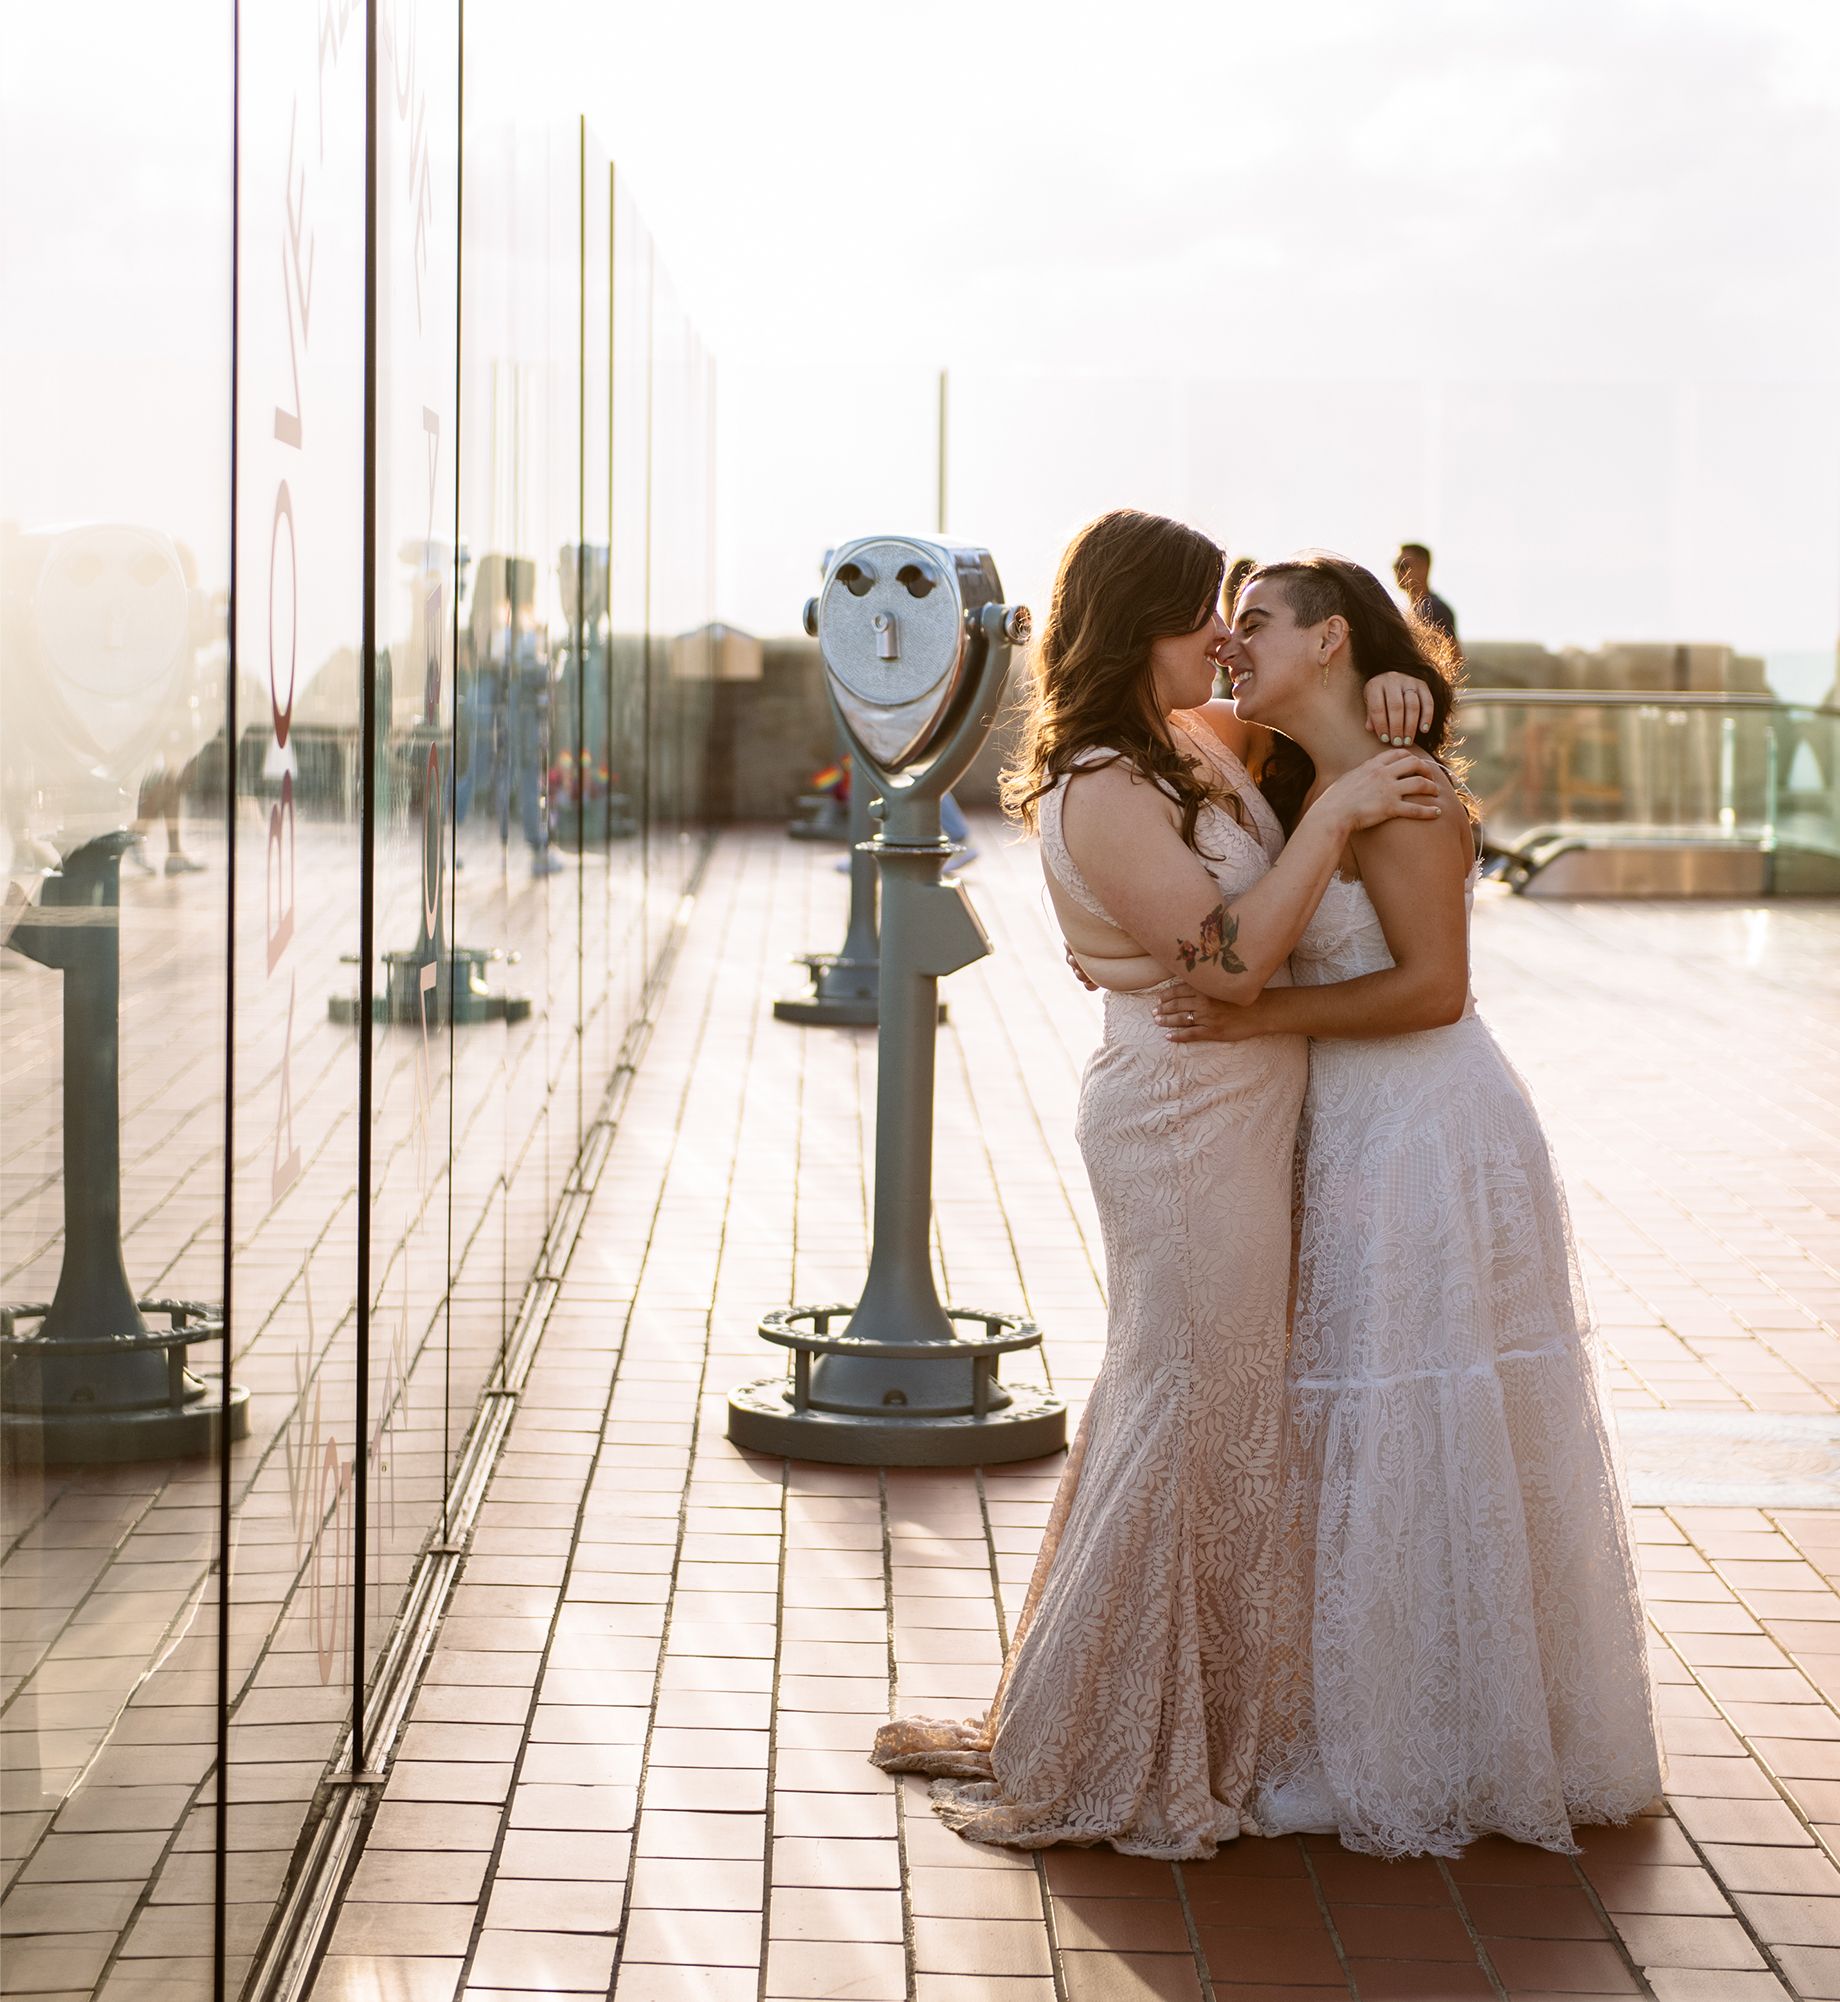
[354,571]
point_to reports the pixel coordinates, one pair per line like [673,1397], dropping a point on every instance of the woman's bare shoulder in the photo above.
[1112,798]
[1411,846]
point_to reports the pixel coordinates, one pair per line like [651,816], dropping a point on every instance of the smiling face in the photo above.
[1271,660]
[1182,665]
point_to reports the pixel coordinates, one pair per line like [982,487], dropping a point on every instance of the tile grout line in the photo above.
[1328,1917]
[1056,1968]
[1484,1959]
[613,1384]
[1612,1931]
[779,1642]
[1751,1757]
[909,1943]
[1204,1974]
[678,1131]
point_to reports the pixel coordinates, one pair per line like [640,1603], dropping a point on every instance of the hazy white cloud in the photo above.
[1571,186]
[1124,230]
[1552,283]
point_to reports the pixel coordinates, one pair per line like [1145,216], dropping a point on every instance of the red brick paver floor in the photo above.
[636,1764]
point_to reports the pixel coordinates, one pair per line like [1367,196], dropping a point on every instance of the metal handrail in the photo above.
[1636,698]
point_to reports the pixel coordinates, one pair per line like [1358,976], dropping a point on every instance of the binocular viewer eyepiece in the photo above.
[905,624]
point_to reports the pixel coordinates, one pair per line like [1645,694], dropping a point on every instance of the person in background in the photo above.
[161,797]
[1412,567]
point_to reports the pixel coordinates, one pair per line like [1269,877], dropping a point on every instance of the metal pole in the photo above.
[846,985]
[94,1383]
[93,1294]
[944,431]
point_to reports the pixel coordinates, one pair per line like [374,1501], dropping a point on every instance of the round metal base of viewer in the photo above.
[829,821]
[465,998]
[841,1011]
[64,1439]
[761,1420]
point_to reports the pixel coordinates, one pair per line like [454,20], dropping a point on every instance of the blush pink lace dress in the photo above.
[1459,1645]
[1129,1708]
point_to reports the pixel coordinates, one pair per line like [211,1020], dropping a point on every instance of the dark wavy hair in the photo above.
[1381,639]
[1126,580]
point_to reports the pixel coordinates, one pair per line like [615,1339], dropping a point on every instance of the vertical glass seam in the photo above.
[367,848]
[220,1831]
[453,830]
[581,636]
[647,651]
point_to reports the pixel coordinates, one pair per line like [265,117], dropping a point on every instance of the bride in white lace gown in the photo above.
[1458,1638]
[1130,1702]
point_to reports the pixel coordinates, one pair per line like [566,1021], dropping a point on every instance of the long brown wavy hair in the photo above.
[1126,580]
[1381,640]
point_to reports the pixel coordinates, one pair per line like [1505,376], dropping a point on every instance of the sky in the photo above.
[1553,285]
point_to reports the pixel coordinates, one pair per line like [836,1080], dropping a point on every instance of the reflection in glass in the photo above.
[195,804]
[114,580]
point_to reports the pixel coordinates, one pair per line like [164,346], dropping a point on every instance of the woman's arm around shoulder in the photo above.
[1124,834]
[1415,873]
[1398,707]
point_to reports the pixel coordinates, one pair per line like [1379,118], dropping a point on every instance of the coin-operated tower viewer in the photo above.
[916,641]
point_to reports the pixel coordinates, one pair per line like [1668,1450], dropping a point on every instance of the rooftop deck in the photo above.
[637,1759]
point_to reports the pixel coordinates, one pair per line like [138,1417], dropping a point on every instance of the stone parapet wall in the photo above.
[769,736]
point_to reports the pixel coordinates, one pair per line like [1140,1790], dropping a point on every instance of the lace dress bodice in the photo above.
[1236,852]
[1344,939]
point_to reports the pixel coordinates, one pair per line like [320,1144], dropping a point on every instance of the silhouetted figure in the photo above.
[1412,567]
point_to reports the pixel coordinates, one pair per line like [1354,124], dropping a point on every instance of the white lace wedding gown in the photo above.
[1129,1707]
[1459,1644]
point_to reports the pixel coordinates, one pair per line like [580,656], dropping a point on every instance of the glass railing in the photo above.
[1602,768]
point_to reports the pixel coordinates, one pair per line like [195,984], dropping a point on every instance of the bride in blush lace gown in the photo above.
[1129,1706]
[1458,1641]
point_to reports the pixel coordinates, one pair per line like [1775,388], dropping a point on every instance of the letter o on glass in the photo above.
[283,711]
[432,805]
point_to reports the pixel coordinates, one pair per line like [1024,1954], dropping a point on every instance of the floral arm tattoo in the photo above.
[1218,931]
